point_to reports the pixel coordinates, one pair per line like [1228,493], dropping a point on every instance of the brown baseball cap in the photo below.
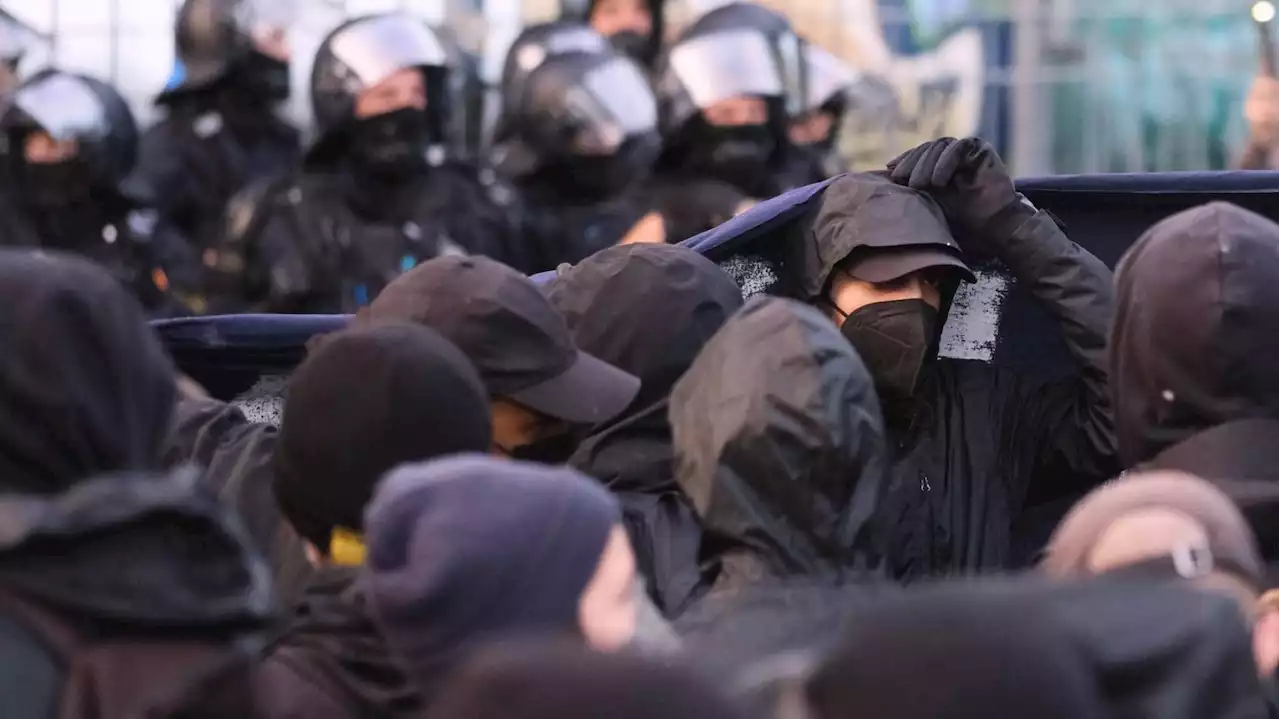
[511,333]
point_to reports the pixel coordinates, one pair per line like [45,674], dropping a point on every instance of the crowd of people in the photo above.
[604,134]
[633,486]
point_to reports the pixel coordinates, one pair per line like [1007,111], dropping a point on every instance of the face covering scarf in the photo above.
[392,144]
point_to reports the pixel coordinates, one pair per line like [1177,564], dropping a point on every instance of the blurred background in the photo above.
[1060,86]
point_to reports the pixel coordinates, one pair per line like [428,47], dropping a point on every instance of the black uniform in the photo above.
[735,50]
[579,140]
[373,197]
[221,131]
[87,203]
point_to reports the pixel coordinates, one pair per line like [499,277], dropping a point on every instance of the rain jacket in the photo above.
[1194,353]
[331,661]
[648,310]
[780,445]
[982,435]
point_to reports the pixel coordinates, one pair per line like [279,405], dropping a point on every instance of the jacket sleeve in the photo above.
[1062,429]
[260,265]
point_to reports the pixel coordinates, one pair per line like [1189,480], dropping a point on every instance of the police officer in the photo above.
[375,194]
[634,27]
[815,133]
[584,135]
[74,143]
[727,89]
[221,130]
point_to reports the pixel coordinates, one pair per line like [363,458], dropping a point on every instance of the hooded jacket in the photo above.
[92,541]
[1194,353]
[981,437]
[646,309]
[781,447]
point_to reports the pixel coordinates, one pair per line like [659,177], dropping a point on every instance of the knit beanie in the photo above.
[466,549]
[364,401]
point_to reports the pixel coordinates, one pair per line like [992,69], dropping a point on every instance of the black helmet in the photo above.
[534,45]
[363,52]
[580,11]
[68,106]
[736,49]
[583,105]
[212,36]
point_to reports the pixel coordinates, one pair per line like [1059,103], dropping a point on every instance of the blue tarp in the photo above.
[1103,213]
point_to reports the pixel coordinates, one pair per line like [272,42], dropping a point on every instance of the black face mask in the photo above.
[553,450]
[392,144]
[893,339]
[633,45]
[266,76]
[54,184]
[738,155]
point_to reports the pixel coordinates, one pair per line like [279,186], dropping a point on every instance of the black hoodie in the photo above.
[781,447]
[647,309]
[89,538]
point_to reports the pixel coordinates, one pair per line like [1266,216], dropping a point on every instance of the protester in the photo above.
[376,192]
[579,140]
[1019,648]
[470,550]
[780,446]
[364,402]
[119,587]
[540,384]
[221,130]
[648,310]
[73,143]
[565,681]
[974,442]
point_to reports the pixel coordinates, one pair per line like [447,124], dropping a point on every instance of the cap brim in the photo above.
[589,392]
[888,265]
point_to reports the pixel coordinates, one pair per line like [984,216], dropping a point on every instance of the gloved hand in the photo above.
[966,177]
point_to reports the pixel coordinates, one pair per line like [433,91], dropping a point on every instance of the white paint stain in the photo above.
[974,322]
[264,402]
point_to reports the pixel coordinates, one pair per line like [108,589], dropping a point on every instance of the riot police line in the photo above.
[603,135]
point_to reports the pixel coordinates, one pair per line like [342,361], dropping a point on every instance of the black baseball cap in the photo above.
[511,333]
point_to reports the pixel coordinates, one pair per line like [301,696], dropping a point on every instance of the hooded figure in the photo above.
[70,168]
[633,27]
[973,442]
[221,130]
[100,555]
[648,310]
[1021,648]
[377,192]
[781,448]
[726,90]
[1193,352]
[580,137]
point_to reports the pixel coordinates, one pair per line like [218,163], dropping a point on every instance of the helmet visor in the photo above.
[721,65]
[614,102]
[64,107]
[376,48]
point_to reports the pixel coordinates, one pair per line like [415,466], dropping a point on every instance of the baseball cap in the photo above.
[511,333]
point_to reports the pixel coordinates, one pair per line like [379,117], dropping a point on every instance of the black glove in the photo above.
[966,177]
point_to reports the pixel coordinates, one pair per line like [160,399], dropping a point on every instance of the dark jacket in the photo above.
[325,242]
[1194,352]
[649,310]
[331,661]
[981,434]
[210,146]
[780,445]
[558,230]
[123,593]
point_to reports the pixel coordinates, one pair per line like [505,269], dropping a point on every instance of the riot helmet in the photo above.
[532,47]
[633,27]
[239,41]
[70,135]
[829,81]
[726,90]
[587,123]
[380,96]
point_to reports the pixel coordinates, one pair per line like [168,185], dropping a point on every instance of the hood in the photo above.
[780,443]
[85,386]
[1194,339]
[331,627]
[155,552]
[648,310]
